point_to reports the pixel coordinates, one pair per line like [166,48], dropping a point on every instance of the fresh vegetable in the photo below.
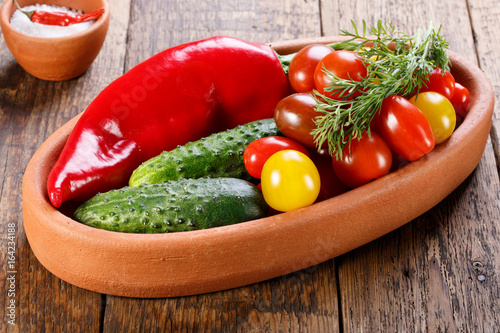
[343,65]
[404,128]
[59,18]
[460,100]
[294,115]
[396,64]
[182,205]
[303,65]
[368,158]
[258,152]
[439,112]
[441,82]
[179,95]
[218,155]
[289,181]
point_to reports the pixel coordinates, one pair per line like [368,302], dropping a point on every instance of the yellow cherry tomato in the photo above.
[289,181]
[439,112]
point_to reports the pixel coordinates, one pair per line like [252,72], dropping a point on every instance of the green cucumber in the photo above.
[218,155]
[181,205]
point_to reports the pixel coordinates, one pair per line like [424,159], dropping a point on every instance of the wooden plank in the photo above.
[302,300]
[437,272]
[39,296]
[485,16]
[31,110]
[430,270]
[405,16]
[157,25]
[290,303]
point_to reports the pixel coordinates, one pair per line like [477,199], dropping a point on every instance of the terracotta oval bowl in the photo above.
[60,58]
[194,262]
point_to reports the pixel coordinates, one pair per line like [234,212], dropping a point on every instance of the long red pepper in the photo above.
[63,19]
[181,94]
[59,18]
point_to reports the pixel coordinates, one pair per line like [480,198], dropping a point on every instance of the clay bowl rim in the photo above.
[394,174]
[8,8]
[473,131]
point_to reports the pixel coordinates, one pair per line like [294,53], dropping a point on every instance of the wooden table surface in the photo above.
[438,273]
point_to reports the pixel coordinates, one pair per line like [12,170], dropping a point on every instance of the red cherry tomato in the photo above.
[294,116]
[460,100]
[257,153]
[440,83]
[404,127]
[303,64]
[331,185]
[343,64]
[369,158]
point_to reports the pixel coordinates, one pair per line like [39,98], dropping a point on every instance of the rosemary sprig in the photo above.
[397,64]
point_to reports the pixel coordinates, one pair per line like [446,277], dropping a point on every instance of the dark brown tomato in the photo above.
[294,116]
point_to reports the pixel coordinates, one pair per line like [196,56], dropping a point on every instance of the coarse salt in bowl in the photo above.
[22,23]
[52,57]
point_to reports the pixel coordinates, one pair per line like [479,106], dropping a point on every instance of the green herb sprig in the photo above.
[397,64]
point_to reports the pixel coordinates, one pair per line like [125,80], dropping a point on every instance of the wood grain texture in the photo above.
[438,273]
[305,300]
[485,16]
[283,304]
[157,25]
[431,271]
[31,110]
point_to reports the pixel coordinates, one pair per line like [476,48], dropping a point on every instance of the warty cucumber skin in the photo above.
[182,205]
[218,155]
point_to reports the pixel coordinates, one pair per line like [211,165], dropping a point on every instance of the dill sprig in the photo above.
[397,64]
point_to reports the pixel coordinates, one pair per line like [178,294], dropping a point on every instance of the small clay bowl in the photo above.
[193,262]
[59,58]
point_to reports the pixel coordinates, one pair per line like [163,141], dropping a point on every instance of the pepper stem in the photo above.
[27,13]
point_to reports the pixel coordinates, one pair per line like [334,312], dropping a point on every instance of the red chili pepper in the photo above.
[181,94]
[59,18]
[64,19]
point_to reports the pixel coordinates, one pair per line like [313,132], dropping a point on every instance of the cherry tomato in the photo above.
[303,64]
[258,151]
[290,180]
[441,83]
[460,100]
[294,116]
[369,158]
[343,64]
[439,112]
[404,127]
[331,185]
